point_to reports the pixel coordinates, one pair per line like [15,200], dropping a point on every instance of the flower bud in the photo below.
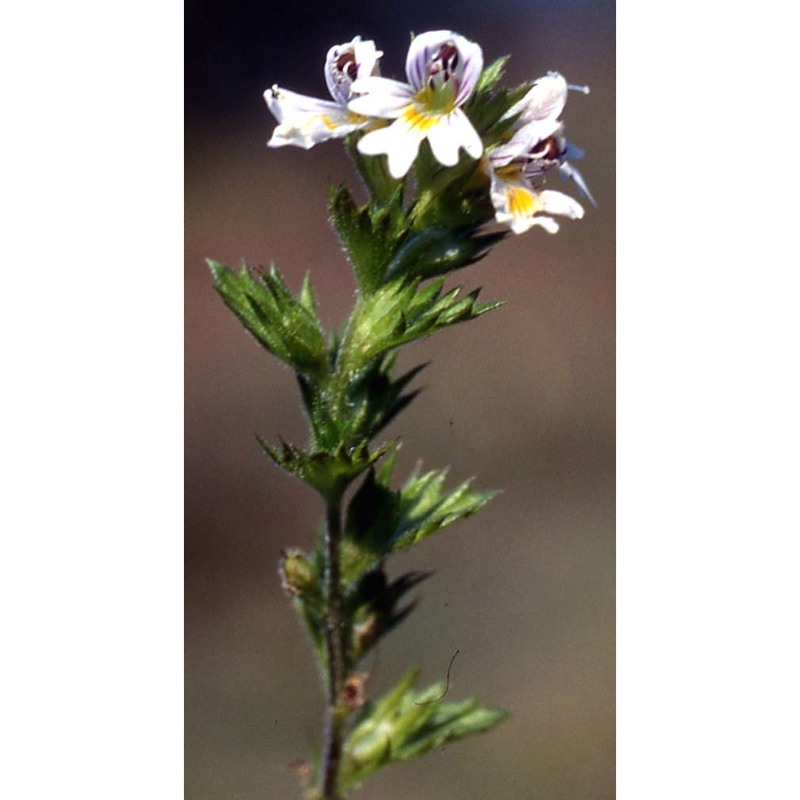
[297,573]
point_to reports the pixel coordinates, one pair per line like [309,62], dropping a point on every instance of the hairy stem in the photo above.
[335,642]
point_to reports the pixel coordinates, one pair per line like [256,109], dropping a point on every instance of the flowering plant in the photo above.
[480,156]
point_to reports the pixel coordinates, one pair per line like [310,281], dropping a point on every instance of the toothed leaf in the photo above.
[380,521]
[286,326]
[408,723]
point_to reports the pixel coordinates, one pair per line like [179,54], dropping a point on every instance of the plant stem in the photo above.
[335,642]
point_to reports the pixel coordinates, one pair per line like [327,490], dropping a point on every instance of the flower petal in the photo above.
[523,141]
[521,207]
[449,134]
[444,144]
[420,53]
[553,202]
[545,100]
[285,104]
[346,63]
[513,200]
[306,121]
[398,141]
[467,66]
[548,223]
[380,97]
[472,59]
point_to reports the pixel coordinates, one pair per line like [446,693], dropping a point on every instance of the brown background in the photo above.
[523,399]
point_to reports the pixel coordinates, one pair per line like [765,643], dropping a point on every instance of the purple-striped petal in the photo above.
[472,60]
[420,53]
[523,141]
[347,62]
[439,57]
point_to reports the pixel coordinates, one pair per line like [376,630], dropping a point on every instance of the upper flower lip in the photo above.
[346,63]
[424,48]
[544,101]
[384,97]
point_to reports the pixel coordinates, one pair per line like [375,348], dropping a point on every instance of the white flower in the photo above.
[305,121]
[442,69]
[536,147]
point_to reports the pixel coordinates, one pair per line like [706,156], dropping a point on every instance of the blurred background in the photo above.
[523,399]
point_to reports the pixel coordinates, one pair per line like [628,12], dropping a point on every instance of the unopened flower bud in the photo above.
[297,574]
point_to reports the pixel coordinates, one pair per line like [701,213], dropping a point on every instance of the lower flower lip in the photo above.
[421,118]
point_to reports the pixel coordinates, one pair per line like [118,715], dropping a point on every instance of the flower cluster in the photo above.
[392,118]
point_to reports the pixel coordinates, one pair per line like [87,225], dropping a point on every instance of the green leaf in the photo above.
[286,326]
[408,723]
[369,234]
[380,521]
[328,473]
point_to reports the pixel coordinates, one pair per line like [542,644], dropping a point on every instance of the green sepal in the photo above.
[328,473]
[307,297]
[408,723]
[380,521]
[286,326]
[369,234]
